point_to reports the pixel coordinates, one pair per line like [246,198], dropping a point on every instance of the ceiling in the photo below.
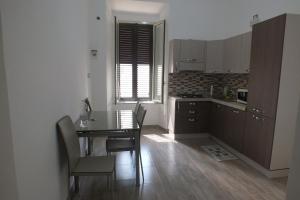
[139,6]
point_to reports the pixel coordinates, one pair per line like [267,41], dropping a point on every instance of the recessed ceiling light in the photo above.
[144,22]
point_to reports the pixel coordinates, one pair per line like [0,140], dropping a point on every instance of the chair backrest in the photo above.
[141,116]
[67,130]
[88,105]
[137,107]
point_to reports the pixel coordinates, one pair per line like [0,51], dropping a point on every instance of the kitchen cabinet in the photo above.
[245,53]
[191,117]
[234,127]
[214,56]
[232,54]
[174,55]
[192,49]
[259,132]
[228,125]
[264,87]
[187,55]
[266,60]
[237,53]
[217,119]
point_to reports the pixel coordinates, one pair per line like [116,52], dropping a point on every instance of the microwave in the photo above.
[242,96]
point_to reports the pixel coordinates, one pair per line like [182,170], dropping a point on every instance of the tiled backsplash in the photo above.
[199,83]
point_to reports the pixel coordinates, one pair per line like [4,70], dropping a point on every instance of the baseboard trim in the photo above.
[155,127]
[268,173]
[190,135]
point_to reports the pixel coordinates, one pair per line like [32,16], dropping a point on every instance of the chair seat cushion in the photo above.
[94,165]
[115,145]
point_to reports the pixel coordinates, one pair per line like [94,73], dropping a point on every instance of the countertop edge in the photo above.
[235,105]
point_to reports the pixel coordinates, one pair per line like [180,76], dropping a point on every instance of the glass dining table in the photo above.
[117,123]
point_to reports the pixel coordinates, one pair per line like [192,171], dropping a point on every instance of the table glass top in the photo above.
[107,121]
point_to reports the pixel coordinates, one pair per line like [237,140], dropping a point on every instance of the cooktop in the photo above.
[190,95]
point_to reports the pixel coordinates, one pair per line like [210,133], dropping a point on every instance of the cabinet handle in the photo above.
[259,118]
[191,119]
[178,106]
[192,104]
[236,111]
[192,111]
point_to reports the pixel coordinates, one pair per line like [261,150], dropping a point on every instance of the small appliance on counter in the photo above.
[242,96]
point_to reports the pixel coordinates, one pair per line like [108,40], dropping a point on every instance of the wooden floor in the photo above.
[179,170]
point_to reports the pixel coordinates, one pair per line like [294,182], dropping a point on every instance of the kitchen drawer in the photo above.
[192,117]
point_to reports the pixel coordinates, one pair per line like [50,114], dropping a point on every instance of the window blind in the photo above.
[135,60]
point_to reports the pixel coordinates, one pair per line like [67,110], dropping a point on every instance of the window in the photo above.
[138,76]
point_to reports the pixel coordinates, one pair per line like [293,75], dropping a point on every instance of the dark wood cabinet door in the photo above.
[258,138]
[257,62]
[217,119]
[192,117]
[234,128]
[272,66]
[265,69]
[204,109]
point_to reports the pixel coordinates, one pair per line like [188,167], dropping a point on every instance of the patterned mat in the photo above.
[218,152]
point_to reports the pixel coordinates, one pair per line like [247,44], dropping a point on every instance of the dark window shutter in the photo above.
[135,61]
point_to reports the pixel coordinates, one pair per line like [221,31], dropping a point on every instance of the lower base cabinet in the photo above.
[248,133]
[191,117]
[217,119]
[259,133]
[234,128]
[228,125]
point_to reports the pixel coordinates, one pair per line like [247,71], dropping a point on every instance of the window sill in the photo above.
[134,102]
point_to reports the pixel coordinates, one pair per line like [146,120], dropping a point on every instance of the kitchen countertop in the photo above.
[231,104]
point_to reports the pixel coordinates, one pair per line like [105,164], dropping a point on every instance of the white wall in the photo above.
[136,17]
[98,39]
[289,96]
[201,19]
[8,184]
[266,9]
[293,192]
[110,56]
[45,53]
[214,19]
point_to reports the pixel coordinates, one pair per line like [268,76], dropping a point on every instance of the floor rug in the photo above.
[218,152]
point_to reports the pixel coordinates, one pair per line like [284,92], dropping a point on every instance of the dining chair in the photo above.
[137,107]
[121,144]
[135,111]
[83,166]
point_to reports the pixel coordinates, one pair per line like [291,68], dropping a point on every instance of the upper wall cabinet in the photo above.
[187,55]
[237,53]
[231,55]
[246,52]
[214,56]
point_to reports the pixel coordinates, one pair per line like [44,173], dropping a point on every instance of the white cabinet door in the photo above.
[246,52]
[232,54]
[187,55]
[174,55]
[214,56]
[192,50]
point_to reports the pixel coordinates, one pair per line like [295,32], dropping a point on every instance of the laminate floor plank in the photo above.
[178,170]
